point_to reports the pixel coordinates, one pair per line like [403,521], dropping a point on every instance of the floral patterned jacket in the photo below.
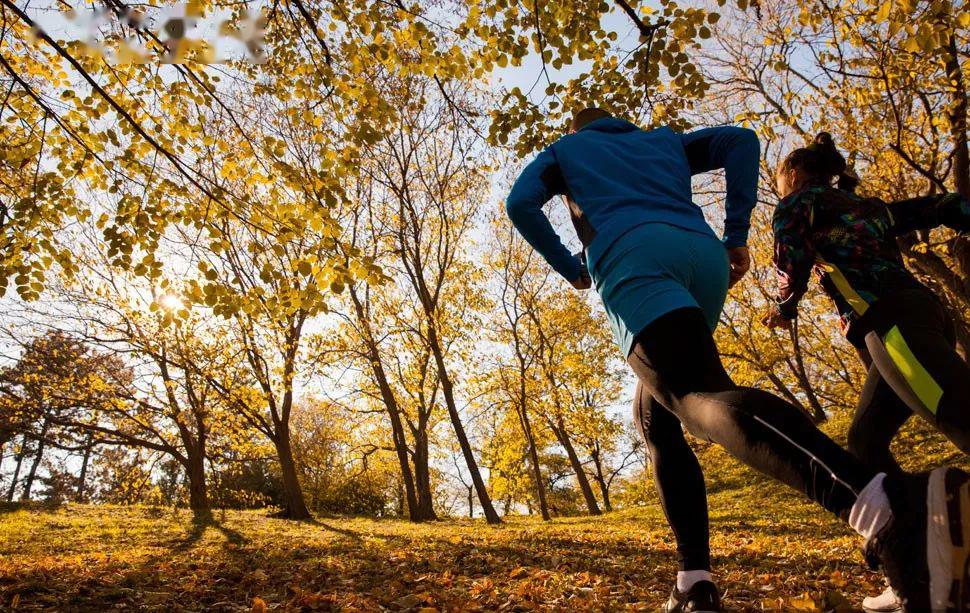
[850,243]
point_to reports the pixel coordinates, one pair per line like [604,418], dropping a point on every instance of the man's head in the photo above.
[586,116]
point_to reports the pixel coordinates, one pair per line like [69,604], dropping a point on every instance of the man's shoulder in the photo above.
[587,136]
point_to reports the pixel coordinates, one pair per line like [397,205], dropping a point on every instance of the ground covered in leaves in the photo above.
[102,558]
[772,550]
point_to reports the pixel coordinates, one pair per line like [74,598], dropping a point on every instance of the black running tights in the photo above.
[678,367]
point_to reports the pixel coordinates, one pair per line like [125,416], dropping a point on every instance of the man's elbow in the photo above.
[734,144]
[516,209]
[748,139]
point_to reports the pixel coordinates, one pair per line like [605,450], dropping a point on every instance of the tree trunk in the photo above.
[471,502]
[601,480]
[818,413]
[961,149]
[483,498]
[958,119]
[393,412]
[21,455]
[83,476]
[422,481]
[41,442]
[401,450]
[195,471]
[534,460]
[294,504]
[563,437]
[605,492]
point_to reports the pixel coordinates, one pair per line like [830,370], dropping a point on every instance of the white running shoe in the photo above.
[887,602]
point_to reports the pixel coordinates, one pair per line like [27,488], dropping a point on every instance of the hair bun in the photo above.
[849,180]
[824,139]
[830,161]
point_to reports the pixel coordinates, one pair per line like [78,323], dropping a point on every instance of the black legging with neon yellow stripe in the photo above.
[913,368]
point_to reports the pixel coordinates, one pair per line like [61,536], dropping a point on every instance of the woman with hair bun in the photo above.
[903,333]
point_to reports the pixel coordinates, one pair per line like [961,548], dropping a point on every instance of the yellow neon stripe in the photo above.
[857,302]
[926,388]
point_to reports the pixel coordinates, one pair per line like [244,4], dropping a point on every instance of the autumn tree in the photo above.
[158,400]
[515,380]
[391,375]
[390,361]
[525,380]
[505,454]
[582,375]
[560,367]
[418,195]
[340,469]
[56,377]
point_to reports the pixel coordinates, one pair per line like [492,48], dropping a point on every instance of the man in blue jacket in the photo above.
[662,275]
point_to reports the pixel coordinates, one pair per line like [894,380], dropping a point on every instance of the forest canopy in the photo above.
[253,253]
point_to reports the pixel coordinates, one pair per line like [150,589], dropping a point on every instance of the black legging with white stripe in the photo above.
[678,478]
[676,361]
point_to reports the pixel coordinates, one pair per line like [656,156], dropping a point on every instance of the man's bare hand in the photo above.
[739,260]
[583,281]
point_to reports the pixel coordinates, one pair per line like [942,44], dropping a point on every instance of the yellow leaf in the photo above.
[883,13]
[259,605]
[803,603]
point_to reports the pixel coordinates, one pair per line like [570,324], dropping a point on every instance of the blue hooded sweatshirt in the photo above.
[616,176]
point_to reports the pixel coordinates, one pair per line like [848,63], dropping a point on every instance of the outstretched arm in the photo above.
[950,210]
[540,181]
[794,251]
[738,152]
